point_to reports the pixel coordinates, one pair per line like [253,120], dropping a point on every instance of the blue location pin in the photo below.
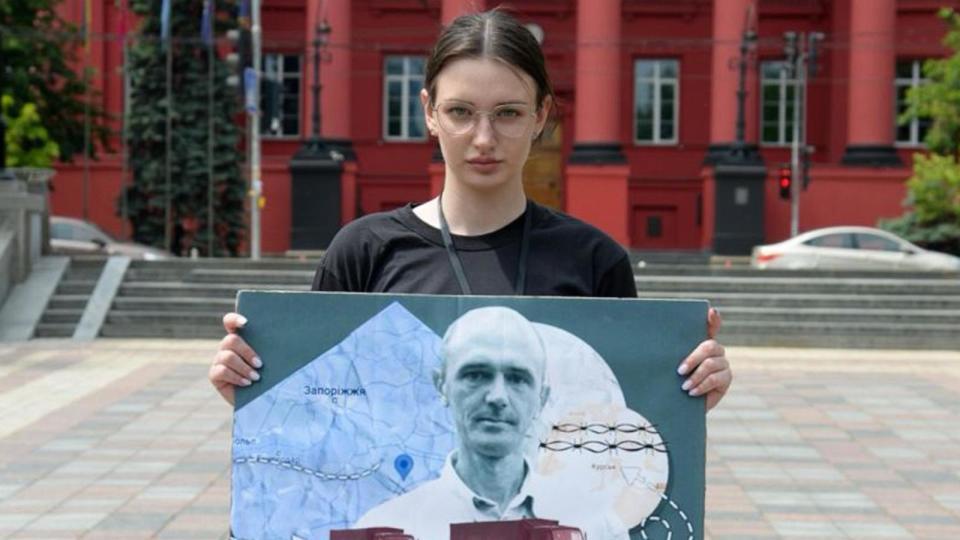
[403,464]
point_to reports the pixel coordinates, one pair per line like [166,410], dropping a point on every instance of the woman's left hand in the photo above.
[707,366]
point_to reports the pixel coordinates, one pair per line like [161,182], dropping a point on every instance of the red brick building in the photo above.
[647,85]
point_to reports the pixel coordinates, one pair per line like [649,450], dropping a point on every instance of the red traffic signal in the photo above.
[785,182]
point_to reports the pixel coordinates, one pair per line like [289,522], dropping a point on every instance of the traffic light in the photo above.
[785,182]
[240,56]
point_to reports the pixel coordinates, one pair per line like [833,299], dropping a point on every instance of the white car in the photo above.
[851,248]
[71,236]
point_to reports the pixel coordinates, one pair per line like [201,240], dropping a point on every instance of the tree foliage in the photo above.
[932,218]
[147,139]
[28,142]
[41,50]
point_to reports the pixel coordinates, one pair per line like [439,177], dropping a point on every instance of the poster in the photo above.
[417,412]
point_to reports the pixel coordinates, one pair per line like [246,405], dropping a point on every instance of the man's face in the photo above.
[494,397]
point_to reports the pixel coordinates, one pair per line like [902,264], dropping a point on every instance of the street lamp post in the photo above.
[739,151]
[316,145]
[315,171]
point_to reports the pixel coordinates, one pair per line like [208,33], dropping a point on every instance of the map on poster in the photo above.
[358,422]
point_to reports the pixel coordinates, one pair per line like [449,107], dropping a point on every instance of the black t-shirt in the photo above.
[396,252]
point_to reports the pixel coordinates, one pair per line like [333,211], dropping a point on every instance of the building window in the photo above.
[655,106]
[402,112]
[280,95]
[776,109]
[910,75]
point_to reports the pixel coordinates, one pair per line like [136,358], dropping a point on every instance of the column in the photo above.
[870,107]
[597,172]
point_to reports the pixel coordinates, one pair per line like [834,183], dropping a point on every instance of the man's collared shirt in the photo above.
[427,511]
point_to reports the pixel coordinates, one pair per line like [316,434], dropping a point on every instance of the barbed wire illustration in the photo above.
[599,447]
[600,429]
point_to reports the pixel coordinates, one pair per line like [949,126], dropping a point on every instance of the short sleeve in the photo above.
[618,281]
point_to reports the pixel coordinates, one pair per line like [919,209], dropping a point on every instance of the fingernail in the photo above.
[245,382]
[693,393]
[686,385]
[257,363]
[241,320]
[254,375]
[682,370]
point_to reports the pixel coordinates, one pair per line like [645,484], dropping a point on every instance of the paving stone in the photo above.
[807,445]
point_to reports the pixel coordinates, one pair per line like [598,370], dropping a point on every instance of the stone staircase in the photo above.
[66,306]
[186,299]
[820,309]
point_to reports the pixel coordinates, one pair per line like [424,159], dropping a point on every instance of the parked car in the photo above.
[851,248]
[71,236]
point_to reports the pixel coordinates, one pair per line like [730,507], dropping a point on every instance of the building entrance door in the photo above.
[543,173]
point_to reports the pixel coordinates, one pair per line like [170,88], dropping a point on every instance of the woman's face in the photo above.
[499,103]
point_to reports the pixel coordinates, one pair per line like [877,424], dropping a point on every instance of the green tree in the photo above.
[40,50]
[932,218]
[147,133]
[28,143]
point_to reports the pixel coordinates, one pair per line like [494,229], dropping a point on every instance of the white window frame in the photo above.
[915,81]
[404,79]
[782,84]
[658,82]
[281,75]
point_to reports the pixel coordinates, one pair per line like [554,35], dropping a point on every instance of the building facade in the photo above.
[647,91]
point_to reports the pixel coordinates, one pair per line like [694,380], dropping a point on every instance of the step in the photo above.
[731,339]
[839,315]
[211,290]
[178,331]
[727,284]
[59,330]
[145,303]
[846,328]
[273,277]
[62,315]
[176,265]
[76,287]
[891,301]
[68,301]
[165,318]
[734,271]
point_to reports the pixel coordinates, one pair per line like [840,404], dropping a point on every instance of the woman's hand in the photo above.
[707,366]
[235,363]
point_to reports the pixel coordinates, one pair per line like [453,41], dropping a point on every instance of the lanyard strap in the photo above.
[520,284]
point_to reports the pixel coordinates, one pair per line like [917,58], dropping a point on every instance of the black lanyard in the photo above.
[520,284]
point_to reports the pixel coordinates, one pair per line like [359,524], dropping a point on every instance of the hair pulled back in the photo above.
[490,34]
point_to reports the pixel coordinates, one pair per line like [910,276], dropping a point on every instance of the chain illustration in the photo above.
[284,464]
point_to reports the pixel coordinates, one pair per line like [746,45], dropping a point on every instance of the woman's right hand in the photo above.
[235,363]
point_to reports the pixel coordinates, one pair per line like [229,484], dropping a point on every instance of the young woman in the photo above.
[487,99]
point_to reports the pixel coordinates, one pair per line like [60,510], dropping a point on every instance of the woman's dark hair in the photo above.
[490,34]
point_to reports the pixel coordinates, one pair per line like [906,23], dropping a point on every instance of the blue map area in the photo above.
[356,426]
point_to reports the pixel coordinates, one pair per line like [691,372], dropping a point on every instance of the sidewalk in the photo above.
[126,440]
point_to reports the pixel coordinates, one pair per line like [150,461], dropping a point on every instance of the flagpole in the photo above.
[211,29]
[124,202]
[256,183]
[85,196]
[168,217]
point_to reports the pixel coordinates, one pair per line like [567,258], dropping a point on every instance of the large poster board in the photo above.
[416,411]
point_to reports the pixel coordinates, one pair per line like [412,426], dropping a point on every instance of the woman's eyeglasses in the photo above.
[508,120]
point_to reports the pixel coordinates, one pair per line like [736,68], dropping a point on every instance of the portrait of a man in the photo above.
[493,379]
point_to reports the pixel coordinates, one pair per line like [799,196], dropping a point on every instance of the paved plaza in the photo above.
[125,439]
